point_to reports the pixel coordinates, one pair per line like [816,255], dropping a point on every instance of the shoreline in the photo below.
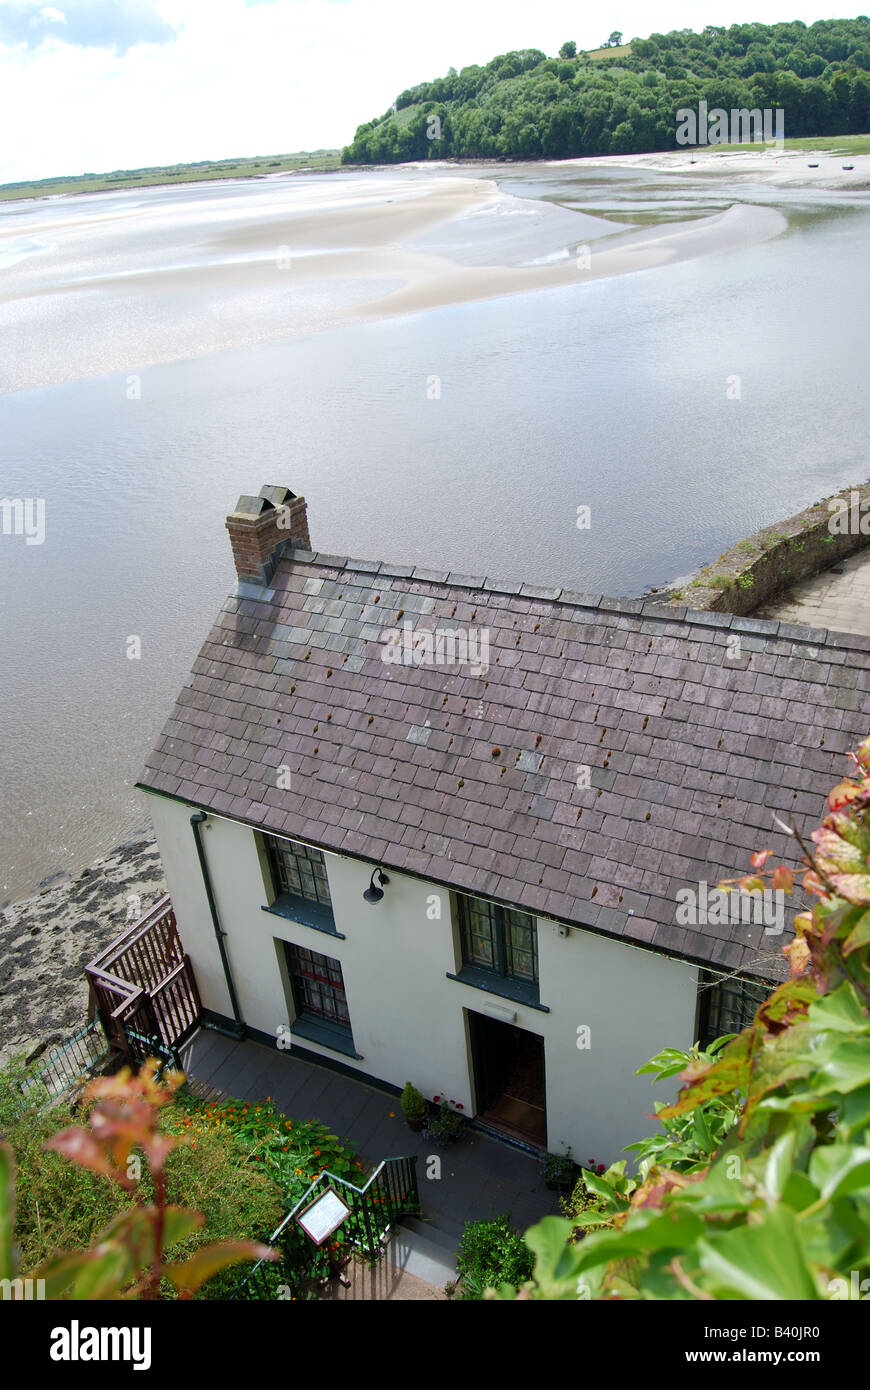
[405,239]
[47,939]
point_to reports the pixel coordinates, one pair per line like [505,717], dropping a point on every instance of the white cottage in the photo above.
[433,827]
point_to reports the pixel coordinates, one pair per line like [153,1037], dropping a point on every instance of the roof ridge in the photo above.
[644,608]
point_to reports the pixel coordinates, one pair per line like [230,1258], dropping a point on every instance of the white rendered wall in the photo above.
[408,1019]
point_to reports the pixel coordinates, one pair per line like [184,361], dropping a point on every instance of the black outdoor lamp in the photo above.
[373,893]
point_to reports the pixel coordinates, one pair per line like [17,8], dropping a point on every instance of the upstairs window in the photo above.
[300,884]
[499,941]
[727,1006]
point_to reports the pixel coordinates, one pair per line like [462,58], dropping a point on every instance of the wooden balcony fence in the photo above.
[143,986]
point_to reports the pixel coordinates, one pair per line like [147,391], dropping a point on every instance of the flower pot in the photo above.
[559,1184]
[415,1122]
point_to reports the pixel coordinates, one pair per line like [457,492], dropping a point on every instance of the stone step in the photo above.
[442,1231]
[421,1256]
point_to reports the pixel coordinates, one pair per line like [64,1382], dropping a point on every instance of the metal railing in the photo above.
[388,1194]
[57,1071]
[142,1046]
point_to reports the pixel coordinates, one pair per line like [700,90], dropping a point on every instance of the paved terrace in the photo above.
[838,599]
[480,1176]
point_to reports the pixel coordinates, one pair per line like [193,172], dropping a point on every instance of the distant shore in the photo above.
[785,167]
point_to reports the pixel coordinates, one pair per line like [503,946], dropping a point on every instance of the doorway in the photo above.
[509,1079]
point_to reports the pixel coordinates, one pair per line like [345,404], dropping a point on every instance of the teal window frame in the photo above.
[488,938]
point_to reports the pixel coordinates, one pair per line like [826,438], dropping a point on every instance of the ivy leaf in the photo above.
[762,1262]
[845,1069]
[837,1169]
[841,1011]
[674,1229]
[557,1263]
[779,1163]
[855,1113]
[701,1131]
[859,936]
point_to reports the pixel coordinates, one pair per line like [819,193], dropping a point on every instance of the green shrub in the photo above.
[413,1103]
[492,1253]
[581,1203]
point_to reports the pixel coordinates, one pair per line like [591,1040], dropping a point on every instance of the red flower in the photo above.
[601,1168]
[436,1099]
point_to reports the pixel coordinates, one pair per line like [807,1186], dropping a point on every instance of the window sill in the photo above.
[306,913]
[329,1035]
[500,985]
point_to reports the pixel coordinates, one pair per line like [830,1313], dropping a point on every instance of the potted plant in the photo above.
[415,1108]
[559,1171]
[447,1124]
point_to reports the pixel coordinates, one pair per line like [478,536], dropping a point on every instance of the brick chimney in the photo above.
[264,528]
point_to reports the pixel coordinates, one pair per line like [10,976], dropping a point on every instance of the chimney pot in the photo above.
[264,528]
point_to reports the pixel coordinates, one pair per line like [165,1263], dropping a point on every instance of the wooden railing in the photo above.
[144,982]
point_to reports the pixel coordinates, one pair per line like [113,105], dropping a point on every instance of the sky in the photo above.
[88,86]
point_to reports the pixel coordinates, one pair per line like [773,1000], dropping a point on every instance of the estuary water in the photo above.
[164,351]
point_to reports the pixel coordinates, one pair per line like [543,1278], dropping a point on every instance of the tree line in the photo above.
[525,105]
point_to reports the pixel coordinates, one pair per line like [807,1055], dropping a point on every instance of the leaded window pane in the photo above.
[499,939]
[318,985]
[729,1006]
[300,870]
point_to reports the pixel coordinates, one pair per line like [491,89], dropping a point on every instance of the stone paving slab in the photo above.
[479,1176]
[838,599]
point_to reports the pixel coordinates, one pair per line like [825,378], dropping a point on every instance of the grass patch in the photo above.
[811,144]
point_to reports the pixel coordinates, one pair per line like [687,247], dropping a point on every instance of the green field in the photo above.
[314,160]
[821,144]
[596,54]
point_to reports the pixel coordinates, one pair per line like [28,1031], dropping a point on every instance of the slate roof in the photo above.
[472,779]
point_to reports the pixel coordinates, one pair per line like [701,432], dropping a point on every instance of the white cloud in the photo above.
[235,78]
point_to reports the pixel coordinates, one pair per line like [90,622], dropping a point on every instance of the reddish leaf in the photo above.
[782,878]
[799,955]
[843,793]
[760,858]
[751,883]
[82,1148]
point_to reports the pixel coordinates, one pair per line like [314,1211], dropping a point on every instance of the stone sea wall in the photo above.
[46,941]
[769,562]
